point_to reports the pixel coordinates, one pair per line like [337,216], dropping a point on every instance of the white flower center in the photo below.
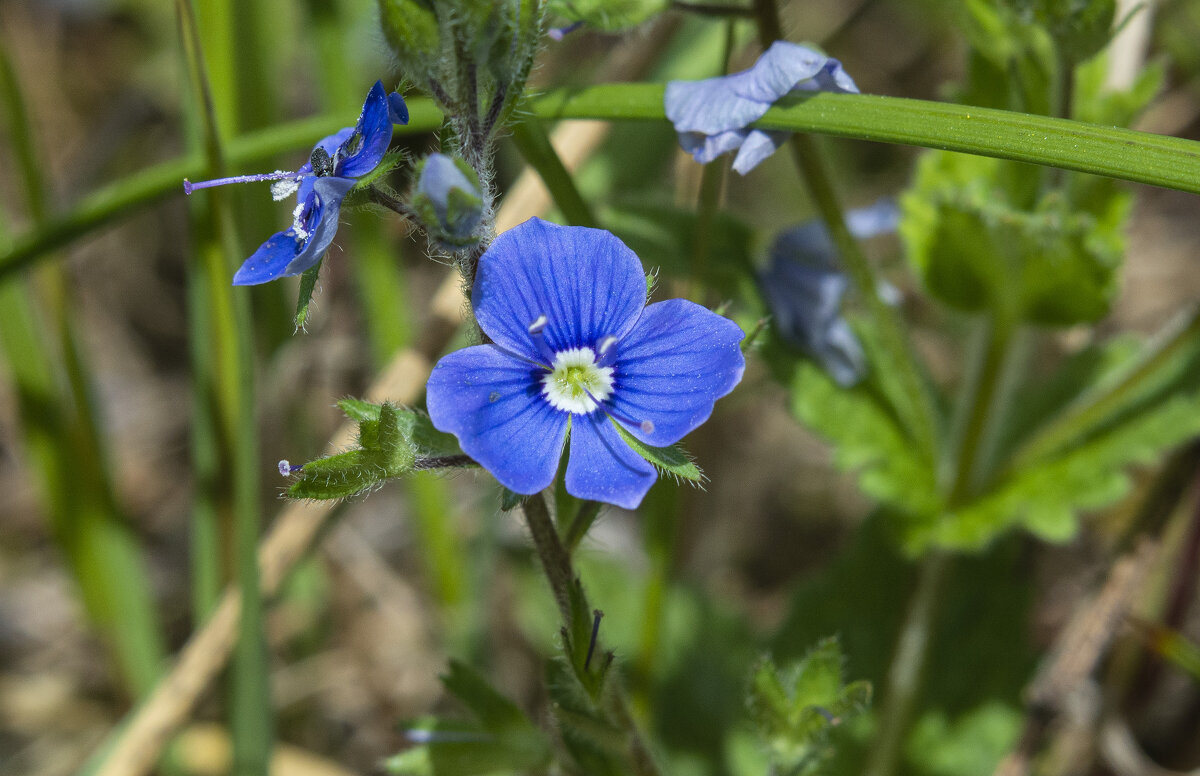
[575,383]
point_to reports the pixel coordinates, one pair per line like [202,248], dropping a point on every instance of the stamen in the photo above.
[606,351]
[646,426]
[321,163]
[278,175]
[537,331]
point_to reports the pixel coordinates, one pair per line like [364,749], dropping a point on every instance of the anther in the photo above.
[606,351]
[597,615]
[537,331]
[287,470]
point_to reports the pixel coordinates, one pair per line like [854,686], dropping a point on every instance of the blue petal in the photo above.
[841,354]
[705,148]
[759,144]
[374,131]
[491,401]
[602,467]
[322,222]
[586,282]
[397,108]
[882,217]
[270,260]
[733,101]
[677,361]
[710,106]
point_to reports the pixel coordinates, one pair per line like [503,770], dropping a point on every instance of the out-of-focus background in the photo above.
[108,491]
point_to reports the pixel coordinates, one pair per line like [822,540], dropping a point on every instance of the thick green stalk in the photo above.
[1126,154]
[906,672]
[231,392]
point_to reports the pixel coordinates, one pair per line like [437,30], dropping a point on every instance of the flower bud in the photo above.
[411,30]
[448,201]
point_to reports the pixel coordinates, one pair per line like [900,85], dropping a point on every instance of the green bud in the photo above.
[448,201]
[411,29]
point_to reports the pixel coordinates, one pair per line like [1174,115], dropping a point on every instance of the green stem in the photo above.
[534,144]
[913,402]
[1127,154]
[584,518]
[983,397]
[577,629]
[231,392]
[905,675]
[1099,404]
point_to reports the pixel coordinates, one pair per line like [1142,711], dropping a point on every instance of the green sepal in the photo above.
[414,425]
[510,500]
[308,283]
[672,460]
[795,709]
[358,195]
[391,441]
[596,745]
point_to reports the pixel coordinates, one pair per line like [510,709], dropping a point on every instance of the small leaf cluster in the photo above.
[795,708]
[500,738]
[392,442]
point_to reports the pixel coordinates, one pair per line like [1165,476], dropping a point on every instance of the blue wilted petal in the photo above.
[602,467]
[705,148]
[717,107]
[759,144]
[677,361]
[586,282]
[803,287]
[490,401]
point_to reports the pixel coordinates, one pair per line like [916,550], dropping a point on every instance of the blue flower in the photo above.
[448,200]
[320,184]
[803,288]
[711,115]
[576,348]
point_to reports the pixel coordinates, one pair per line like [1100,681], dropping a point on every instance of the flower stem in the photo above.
[578,620]
[914,402]
[584,518]
[906,672]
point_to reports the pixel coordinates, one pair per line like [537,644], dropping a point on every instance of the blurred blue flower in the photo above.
[711,115]
[448,200]
[320,184]
[576,348]
[803,288]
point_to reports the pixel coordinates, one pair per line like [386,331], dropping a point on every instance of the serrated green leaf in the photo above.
[671,460]
[979,245]
[866,438]
[795,708]
[308,282]
[386,449]
[1048,496]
